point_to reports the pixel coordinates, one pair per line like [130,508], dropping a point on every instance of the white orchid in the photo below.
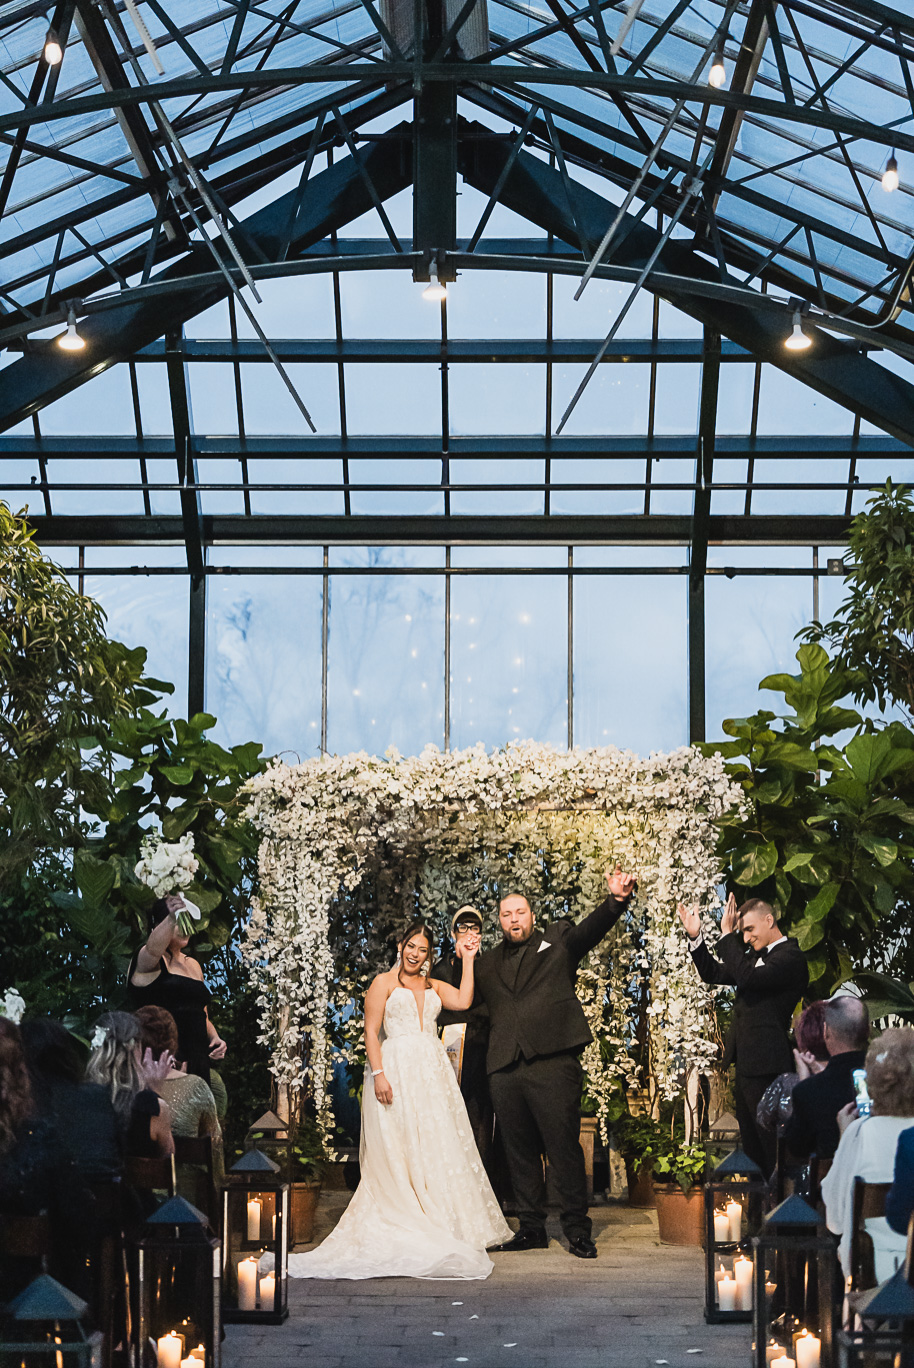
[12,1006]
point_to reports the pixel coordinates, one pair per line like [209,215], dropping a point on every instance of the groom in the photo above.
[537,1030]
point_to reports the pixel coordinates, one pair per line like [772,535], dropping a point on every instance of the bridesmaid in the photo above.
[162,975]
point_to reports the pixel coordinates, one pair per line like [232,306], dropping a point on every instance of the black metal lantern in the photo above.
[885,1338]
[798,1288]
[43,1328]
[720,1139]
[735,1194]
[274,1137]
[179,1276]
[256,1231]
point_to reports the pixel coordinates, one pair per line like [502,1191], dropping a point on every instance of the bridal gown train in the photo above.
[424,1207]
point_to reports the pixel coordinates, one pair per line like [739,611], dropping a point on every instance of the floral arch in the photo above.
[353,847]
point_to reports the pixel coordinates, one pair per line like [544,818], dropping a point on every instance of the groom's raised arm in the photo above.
[584,935]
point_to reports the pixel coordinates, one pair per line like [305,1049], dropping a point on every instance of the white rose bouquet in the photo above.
[168,867]
[12,1006]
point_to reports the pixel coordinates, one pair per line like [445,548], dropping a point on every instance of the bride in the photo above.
[424,1207]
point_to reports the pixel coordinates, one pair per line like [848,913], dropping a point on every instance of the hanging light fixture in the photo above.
[718,73]
[435,290]
[53,50]
[797,341]
[71,340]
[890,174]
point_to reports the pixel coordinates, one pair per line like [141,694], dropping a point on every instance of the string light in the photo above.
[53,52]
[71,340]
[890,174]
[718,73]
[797,341]
[435,290]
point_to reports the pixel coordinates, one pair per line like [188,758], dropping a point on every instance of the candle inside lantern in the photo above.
[783,1362]
[254,1210]
[770,1289]
[808,1349]
[169,1350]
[198,1353]
[247,1285]
[274,1225]
[726,1293]
[721,1227]
[188,1363]
[268,1292]
[735,1217]
[742,1272]
[774,1351]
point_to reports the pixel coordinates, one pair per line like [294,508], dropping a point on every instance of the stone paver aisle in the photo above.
[638,1304]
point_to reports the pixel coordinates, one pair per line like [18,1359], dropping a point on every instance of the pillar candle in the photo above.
[726,1293]
[770,1289]
[783,1362]
[808,1349]
[721,1227]
[268,1292]
[742,1272]
[774,1351]
[198,1353]
[188,1363]
[735,1216]
[247,1285]
[168,1350]
[253,1218]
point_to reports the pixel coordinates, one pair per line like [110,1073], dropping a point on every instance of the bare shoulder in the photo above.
[193,967]
[382,984]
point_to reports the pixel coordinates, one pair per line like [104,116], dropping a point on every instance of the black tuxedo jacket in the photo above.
[476,1018]
[758,1040]
[541,1014]
[813,1126]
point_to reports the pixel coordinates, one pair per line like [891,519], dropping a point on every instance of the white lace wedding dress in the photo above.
[424,1207]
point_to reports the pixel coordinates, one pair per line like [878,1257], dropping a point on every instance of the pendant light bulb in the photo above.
[53,52]
[71,340]
[890,174]
[797,341]
[718,73]
[435,290]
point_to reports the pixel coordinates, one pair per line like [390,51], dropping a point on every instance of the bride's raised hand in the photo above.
[382,1090]
[470,948]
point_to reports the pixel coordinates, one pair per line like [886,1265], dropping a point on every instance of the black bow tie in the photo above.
[763,953]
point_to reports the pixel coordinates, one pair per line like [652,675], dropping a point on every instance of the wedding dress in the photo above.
[424,1207]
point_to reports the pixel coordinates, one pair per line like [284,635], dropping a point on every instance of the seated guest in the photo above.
[817,1100]
[900,1202]
[85,1117]
[36,1175]
[776,1106]
[116,1063]
[190,1100]
[868,1144]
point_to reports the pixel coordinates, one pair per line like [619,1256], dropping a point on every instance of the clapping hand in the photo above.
[217,1048]
[156,1068]
[730,918]
[620,885]
[807,1064]
[690,920]
[846,1115]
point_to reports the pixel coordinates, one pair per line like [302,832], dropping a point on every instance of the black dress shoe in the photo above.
[583,1248]
[524,1239]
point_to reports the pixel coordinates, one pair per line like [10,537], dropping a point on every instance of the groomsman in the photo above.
[537,1030]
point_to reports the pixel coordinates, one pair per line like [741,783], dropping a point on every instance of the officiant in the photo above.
[466,1035]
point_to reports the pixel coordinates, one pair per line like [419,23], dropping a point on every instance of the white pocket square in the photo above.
[545,946]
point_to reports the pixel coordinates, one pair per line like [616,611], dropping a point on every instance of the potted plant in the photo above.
[639,1139]
[679,1169]
[307,1160]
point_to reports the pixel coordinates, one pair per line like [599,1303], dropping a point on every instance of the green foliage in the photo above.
[828,838]
[679,1163]
[885,996]
[639,1139]
[873,630]
[61,680]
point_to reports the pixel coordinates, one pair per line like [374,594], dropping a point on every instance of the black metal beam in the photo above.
[335,197]
[434,169]
[522,350]
[395,530]
[704,456]
[835,369]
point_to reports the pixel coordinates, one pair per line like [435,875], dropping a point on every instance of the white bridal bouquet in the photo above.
[168,867]
[12,1006]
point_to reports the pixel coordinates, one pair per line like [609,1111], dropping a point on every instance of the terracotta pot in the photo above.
[303,1204]
[640,1186]
[680,1215]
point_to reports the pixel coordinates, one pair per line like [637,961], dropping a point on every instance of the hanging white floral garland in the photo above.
[443,828]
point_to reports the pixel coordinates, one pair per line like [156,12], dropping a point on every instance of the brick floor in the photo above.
[637,1305]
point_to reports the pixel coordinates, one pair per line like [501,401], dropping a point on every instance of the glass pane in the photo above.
[509,658]
[676,410]
[506,472]
[506,398]
[403,471]
[263,661]
[150,611]
[614,402]
[787,406]
[648,614]
[751,625]
[385,670]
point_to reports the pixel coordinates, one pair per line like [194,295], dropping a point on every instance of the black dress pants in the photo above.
[538,1108]
[758,1144]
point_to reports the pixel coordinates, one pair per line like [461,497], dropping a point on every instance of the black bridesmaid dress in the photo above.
[186,999]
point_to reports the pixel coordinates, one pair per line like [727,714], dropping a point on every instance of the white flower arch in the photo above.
[353,847]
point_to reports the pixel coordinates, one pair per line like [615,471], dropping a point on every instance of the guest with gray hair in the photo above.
[817,1099]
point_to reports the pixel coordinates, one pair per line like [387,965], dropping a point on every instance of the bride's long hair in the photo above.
[416,928]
